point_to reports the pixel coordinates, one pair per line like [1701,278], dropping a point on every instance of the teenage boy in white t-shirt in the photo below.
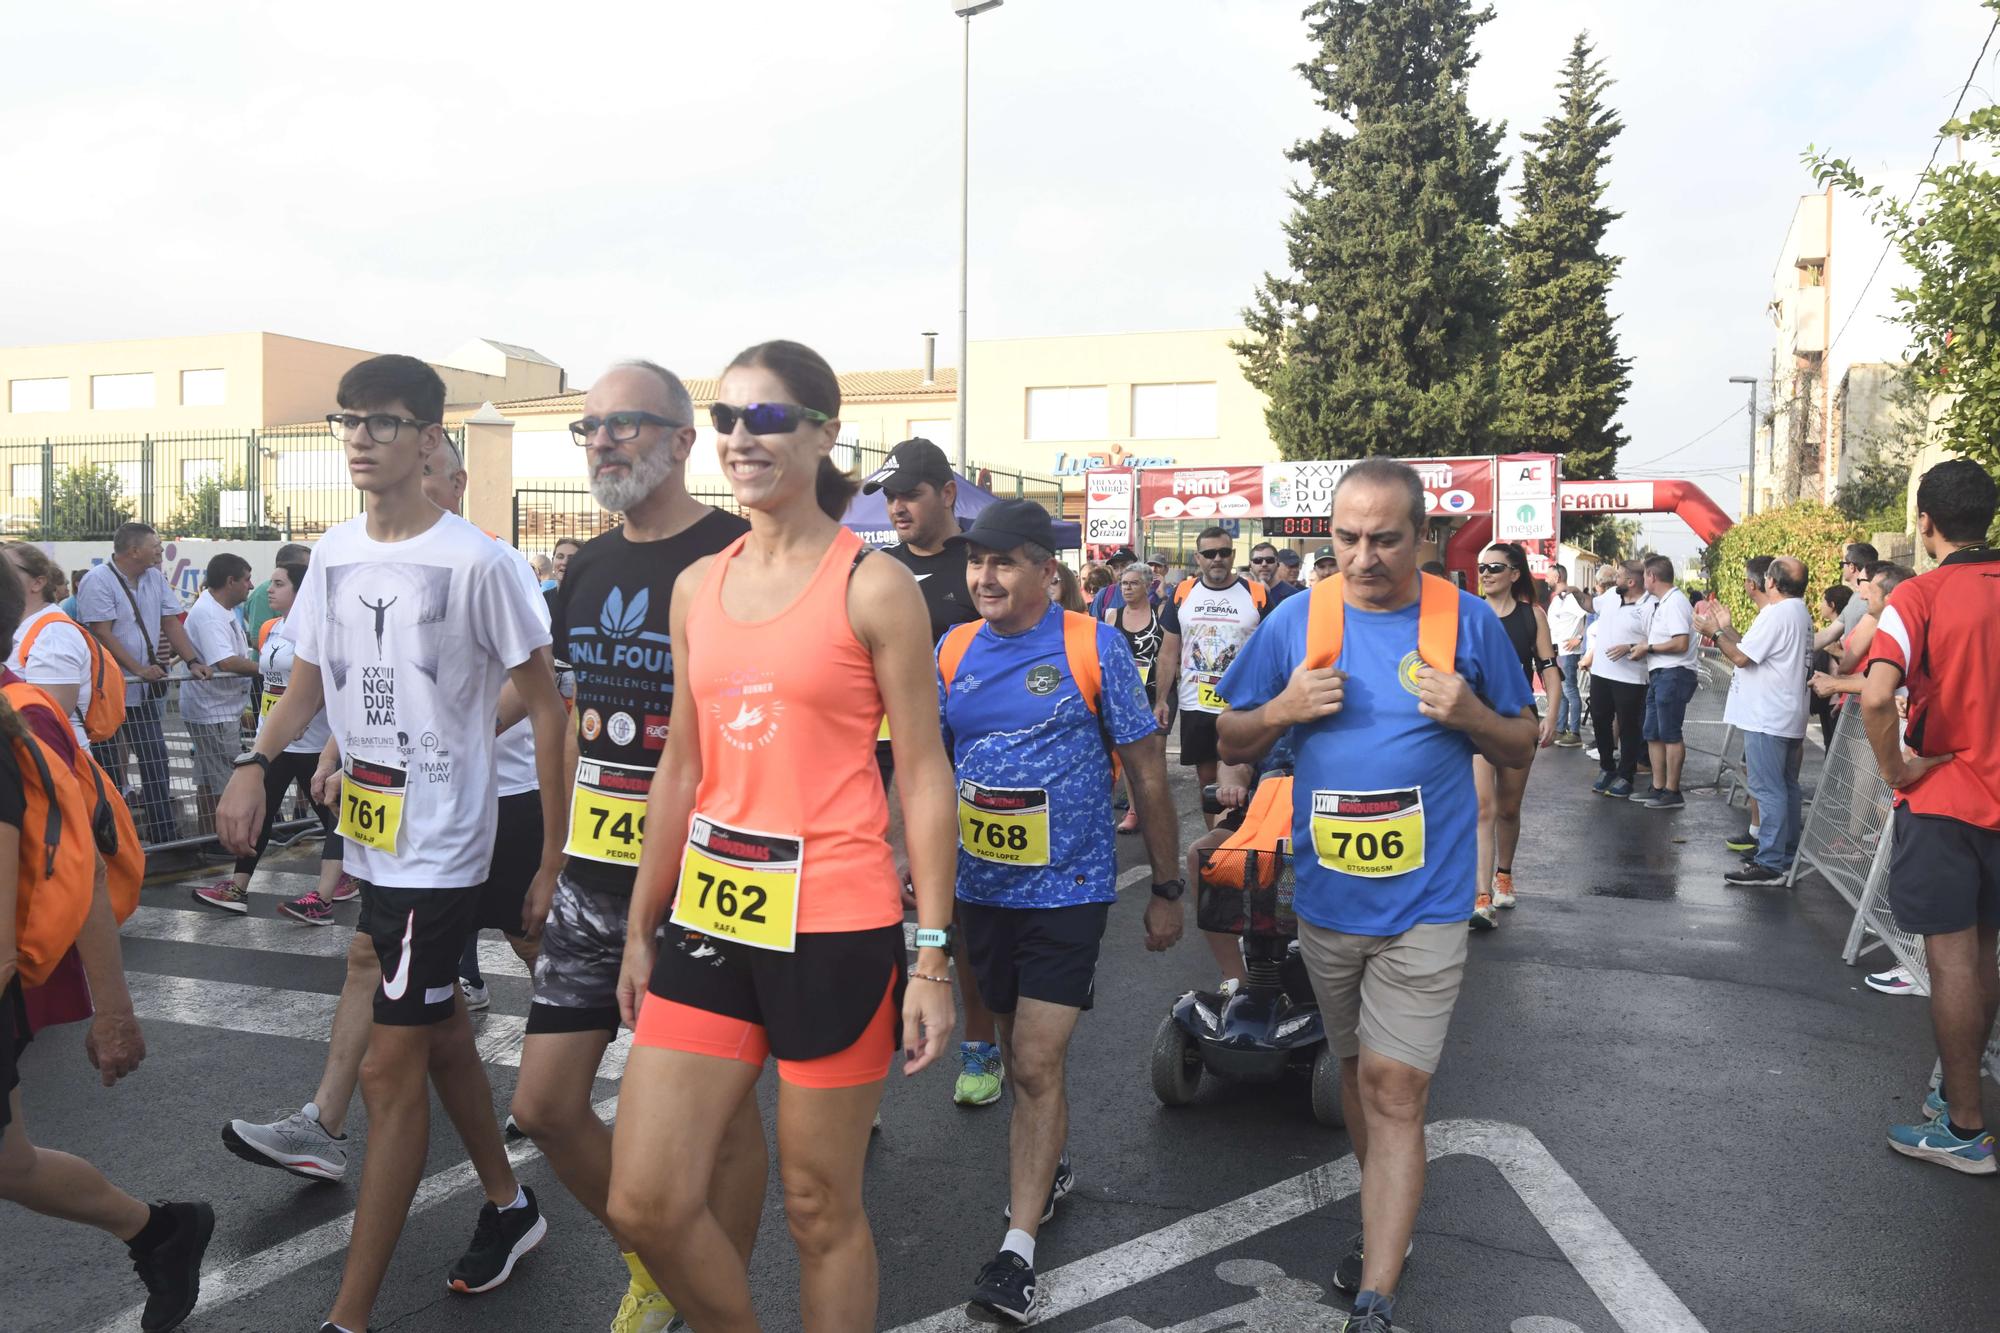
[409,622]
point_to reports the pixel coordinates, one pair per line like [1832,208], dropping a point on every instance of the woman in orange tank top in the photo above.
[771,873]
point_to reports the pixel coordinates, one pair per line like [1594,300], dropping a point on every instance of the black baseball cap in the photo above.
[1006,524]
[1124,555]
[1323,553]
[1289,558]
[908,466]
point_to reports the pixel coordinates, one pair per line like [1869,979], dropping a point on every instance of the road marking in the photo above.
[273,883]
[1628,1287]
[281,935]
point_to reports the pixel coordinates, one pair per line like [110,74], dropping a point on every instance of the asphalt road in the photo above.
[1662,1108]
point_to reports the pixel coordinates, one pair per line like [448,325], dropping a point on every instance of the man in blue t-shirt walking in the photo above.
[1034,700]
[1384,819]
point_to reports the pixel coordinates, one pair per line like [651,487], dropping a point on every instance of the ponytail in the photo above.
[833,488]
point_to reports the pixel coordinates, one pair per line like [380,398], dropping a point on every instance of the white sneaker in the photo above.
[298,1144]
[476,997]
[1896,981]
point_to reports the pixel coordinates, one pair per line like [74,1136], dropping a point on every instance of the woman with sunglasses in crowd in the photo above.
[1508,587]
[785,936]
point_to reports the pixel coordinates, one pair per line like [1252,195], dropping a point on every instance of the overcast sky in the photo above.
[679,179]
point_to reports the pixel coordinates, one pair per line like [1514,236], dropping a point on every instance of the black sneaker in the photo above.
[1752,873]
[1347,1273]
[171,1270]
[1064,1182]
[1006,1286]
[501,1238]
[1646,794]
[1666,800]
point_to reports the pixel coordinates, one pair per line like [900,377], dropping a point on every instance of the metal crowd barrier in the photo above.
[1846,832]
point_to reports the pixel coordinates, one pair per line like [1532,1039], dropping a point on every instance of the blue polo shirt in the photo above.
[1379,743]
[1014,720]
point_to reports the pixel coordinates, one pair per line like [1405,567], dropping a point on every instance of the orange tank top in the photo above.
[787,711]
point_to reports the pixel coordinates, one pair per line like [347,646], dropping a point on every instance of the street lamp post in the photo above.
[965,11]
[1750,500]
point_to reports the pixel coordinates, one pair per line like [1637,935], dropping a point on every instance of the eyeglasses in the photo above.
[1219,553]
[1263,559]
[382,426]
[1496,569]
[622,426]
[762,418]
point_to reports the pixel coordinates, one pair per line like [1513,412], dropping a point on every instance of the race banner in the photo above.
[1452,487]
[1606,497]
[1201,492]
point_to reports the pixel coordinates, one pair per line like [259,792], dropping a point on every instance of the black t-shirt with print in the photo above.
[941,578]
[610,622]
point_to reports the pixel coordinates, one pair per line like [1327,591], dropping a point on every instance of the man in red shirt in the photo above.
[1940,637]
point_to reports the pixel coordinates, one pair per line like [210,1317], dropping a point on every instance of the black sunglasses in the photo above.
[1496,569]
[1219,553]
[762,418]
[623,427]
[1263,559]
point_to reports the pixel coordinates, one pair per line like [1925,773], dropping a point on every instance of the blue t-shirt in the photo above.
[1014,719]
[1379,742]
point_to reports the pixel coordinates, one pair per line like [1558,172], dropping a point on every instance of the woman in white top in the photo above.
[58,656]
[295,765]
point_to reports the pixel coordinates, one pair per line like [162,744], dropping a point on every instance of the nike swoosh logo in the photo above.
[395,986]
[922,577]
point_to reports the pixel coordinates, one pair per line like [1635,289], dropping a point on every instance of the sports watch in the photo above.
[1171,889]
[937,939]
[249,757]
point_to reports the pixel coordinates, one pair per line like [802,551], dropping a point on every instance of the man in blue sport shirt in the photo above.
[1384,817]
[1037,861]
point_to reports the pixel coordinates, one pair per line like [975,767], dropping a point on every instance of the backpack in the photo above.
[107,683]
[1437,623]
[109,819]
[1079,646]
[57,863]
[1259,595]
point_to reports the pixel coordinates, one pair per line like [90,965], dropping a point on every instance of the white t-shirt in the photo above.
[514,751]
[60,657]
[1213,624]
[1618,623]
[1566,614]
[101,596]
[216,633]
[277,656]
[1666,617]
[1769,696]
[413,640]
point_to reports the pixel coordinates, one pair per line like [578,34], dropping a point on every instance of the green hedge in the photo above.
[1806,529]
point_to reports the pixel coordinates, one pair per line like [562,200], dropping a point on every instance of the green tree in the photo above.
[89,502]
[1380,339]
[1878,486]
[200,513]
[1562,380]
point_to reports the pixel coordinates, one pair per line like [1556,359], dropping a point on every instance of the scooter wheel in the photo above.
[1176,1065]
[1326,1089]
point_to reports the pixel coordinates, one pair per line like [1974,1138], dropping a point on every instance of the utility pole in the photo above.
[1750,499]
[966,12]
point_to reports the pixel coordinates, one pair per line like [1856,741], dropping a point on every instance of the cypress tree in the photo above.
[1381,339]
[1562,380]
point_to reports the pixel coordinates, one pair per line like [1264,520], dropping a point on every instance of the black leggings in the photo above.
[1626,702]
[285,770]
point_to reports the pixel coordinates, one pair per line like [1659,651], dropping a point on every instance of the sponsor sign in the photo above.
[1107,507]
[1525,498]
[1606,497]
[1453,487]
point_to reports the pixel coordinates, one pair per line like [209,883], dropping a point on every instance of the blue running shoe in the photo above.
[1620,790]
[1603,783]
[1934,1107]
[1934,1142]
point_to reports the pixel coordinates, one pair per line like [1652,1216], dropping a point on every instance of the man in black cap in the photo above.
[1325,565]
[1289,564]
[1113,597]
[921,493]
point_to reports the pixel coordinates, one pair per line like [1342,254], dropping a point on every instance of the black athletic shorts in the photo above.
[418,935]
[1035,953]
[1197,738]
[13,1040]
[814,1002]
[1944,874]
[885,764]
[517,855]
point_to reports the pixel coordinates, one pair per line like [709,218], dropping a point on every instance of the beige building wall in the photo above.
[239,356]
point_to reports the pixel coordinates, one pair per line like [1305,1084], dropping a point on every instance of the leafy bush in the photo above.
[89,502]
[1806,529]
[199,513]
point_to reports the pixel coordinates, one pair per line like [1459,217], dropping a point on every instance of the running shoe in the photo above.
[224,894]
[1484,917]
[345,888]
[1371,1320]
[1752,873]
[298,1144]
[1006,1286]
[644,1310]
[477,997]
[1896,981]
[1603,783]
[171,1270]
[1647,795]
[980,1074]
[513,1132]
[1934,1104]
[1740,843]
[1064,1182]
[310,908]
[1347,1273]
[1934,1142]
[498,1242]
[1620,790]
[1591,752]
[1666,800]
[1503,888]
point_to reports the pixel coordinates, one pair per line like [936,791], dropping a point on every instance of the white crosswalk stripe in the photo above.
[281,935]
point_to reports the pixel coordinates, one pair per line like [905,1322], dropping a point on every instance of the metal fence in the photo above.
[1847,825]
[277,483]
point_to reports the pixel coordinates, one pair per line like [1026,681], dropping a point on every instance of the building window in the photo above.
[50,395]
[196,472]
[114,392]
[1173,411]
[940,431]
[25,481]
[201,388]
[1069,413]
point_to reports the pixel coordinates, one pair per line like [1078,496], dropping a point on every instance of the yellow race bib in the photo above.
[1008,827]
[272,693]
[1369,834]
[607,812]
[371,804]
[741,885]
[1205,696]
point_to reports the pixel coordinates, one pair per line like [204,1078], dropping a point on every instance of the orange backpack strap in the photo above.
[1080,645]
[1437,622]
[1269,818]
[1325,622]
[1259,594]
[1181,592]
[26,644]
[952,649]
[265,633]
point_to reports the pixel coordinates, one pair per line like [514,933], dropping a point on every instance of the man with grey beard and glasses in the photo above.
[610,624]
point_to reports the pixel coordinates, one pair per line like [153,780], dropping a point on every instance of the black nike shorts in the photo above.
[418,936]
[1197,738]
